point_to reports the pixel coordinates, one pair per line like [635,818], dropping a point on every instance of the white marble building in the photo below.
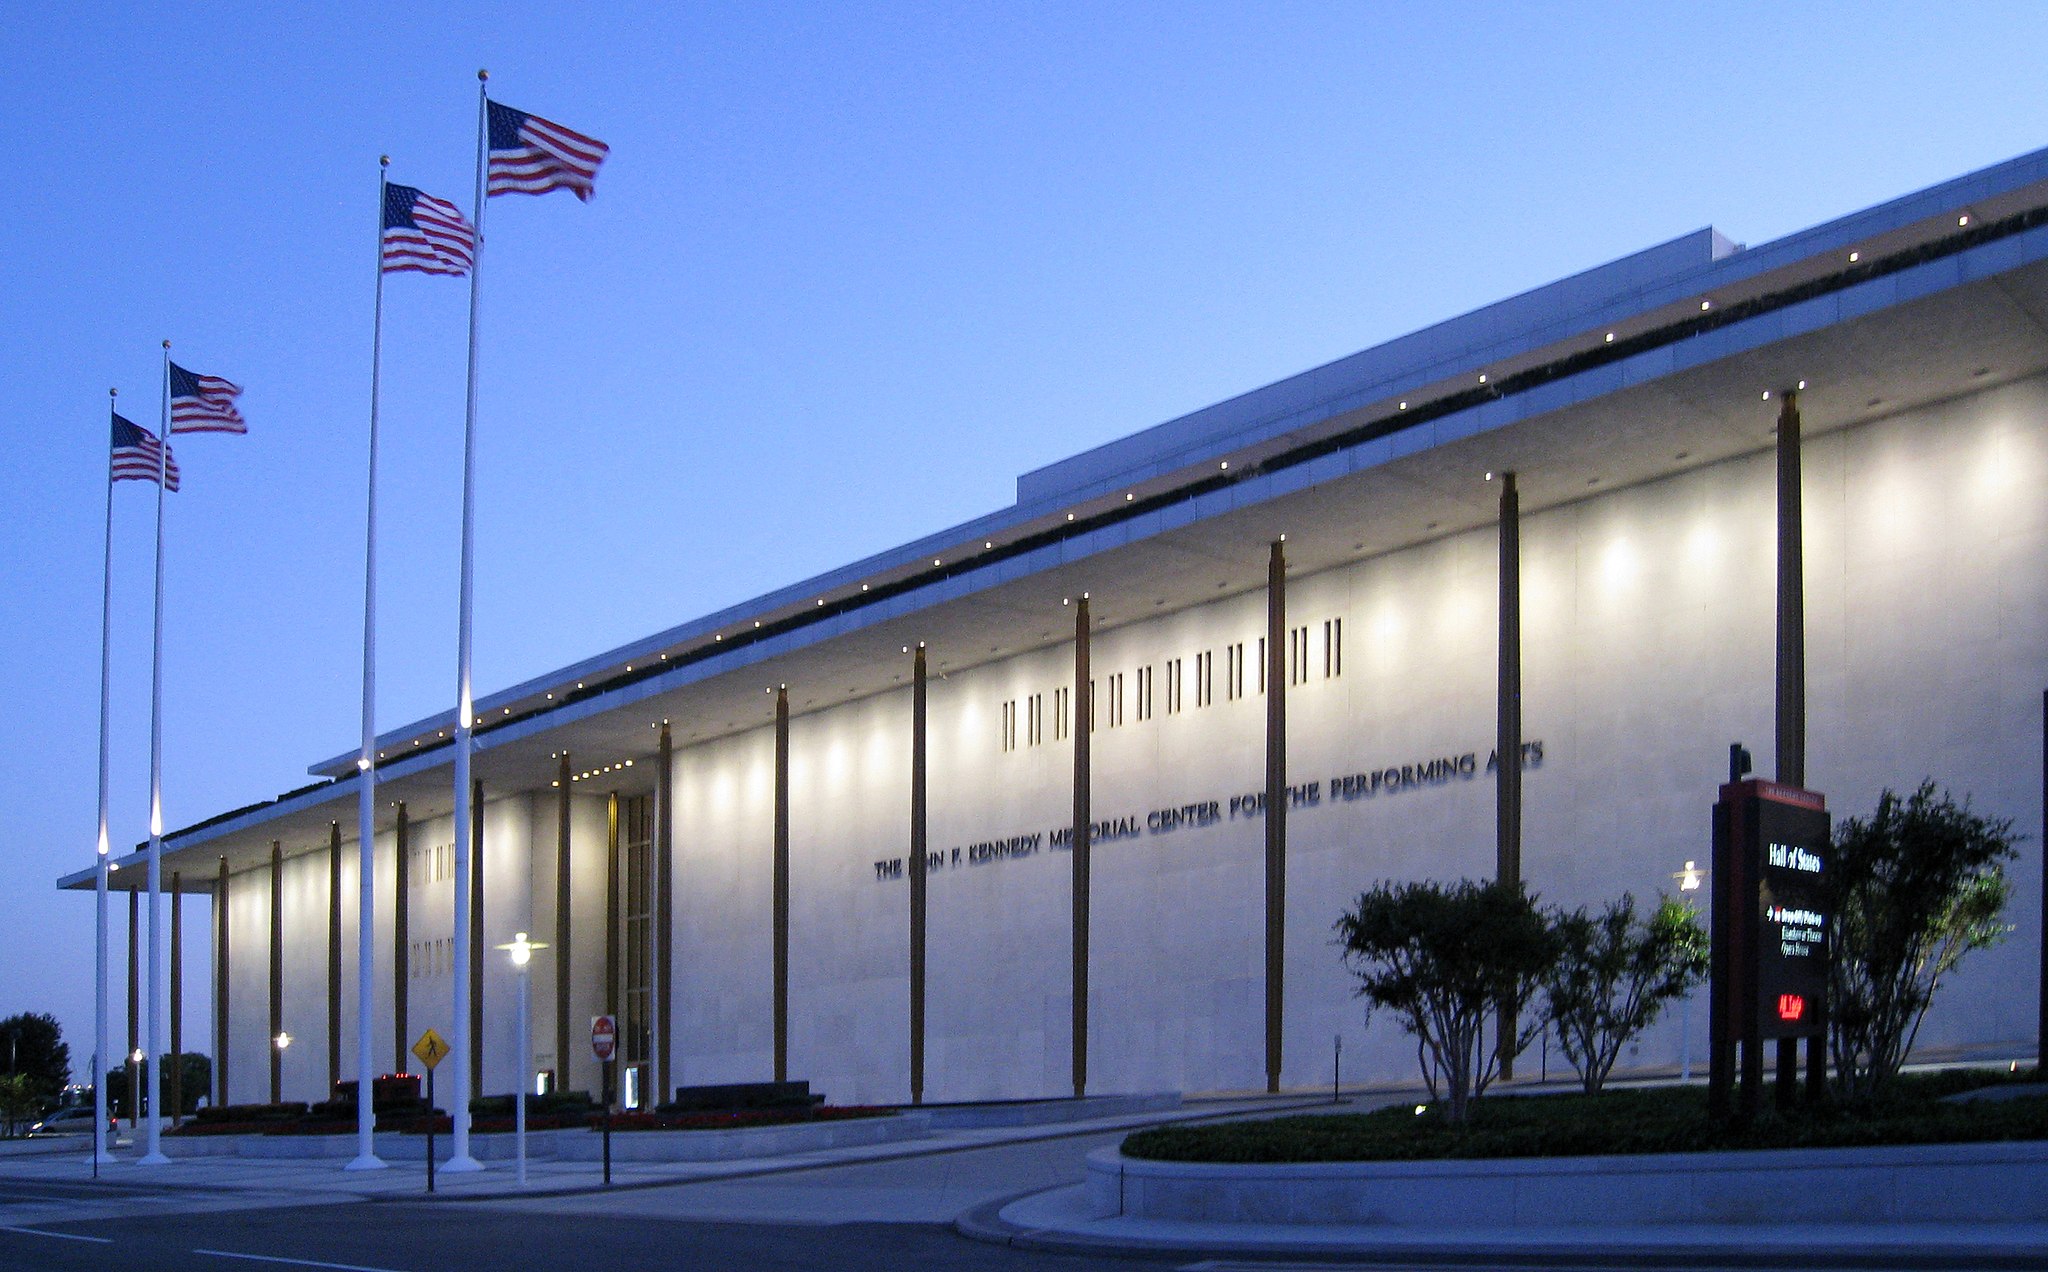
[1629,403]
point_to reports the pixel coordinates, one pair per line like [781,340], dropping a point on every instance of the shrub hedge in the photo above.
[1653,1120]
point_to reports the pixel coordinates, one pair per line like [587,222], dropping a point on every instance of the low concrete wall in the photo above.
[948,1117]
[390,1145]
[1984,1183]
[752,1141]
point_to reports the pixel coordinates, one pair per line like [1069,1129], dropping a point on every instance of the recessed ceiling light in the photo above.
[1482,377]
[1225,464]
[1404,406]
[1854,257]
[1070,516]
[1802,384]
[1767,395]
[1963,219]
[936,561]
[991,543]
[863,587]
[1706,305]
[1610,338]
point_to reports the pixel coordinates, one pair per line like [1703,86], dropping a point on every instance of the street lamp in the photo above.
[1691,879]
[521,951]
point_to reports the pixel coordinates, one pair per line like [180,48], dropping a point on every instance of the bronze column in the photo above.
[401,943]
[1276,803]
[1507,742]
[613,931]
[918,863]
[220,985]
[1791,600]
[276,970]
[134,1031]
[781,884]
[665,919]
[128,1057]
[563,924]
[476,938]
[333,957]
[1791,695]
[174,1076]
[1083,703]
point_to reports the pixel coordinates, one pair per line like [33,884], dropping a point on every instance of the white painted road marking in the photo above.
[297,1263]
[61,1236]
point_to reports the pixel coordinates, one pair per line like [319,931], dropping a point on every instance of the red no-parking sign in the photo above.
[604,1036]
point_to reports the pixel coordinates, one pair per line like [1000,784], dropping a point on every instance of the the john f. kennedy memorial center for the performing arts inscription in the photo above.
[1344,789]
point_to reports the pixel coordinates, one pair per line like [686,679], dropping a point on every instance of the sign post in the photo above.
[604,1044]
[431,1049]
[1772,858]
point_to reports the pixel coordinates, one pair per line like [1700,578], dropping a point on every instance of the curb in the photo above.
[1626,1249]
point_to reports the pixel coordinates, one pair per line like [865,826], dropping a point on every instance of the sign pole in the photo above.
[433,1115]
[604,1044]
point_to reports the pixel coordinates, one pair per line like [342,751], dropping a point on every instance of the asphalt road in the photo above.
[877,1215]
[382,1236]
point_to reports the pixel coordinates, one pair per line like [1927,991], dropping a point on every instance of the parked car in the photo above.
[76,1120]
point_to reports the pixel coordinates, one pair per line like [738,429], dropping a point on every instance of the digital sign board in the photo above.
[1771,882]
[1791,928]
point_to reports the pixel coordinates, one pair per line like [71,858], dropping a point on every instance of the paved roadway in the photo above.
[893,1214]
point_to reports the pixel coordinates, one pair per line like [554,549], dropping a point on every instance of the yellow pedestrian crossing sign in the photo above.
[431,1048]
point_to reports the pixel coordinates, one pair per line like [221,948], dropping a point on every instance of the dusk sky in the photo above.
[849,270]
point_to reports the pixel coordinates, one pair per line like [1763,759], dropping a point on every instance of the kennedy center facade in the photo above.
[1067,798]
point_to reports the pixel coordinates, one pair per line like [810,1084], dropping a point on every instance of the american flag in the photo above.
[425,234]
[531,155]
[204,404]
[137,452]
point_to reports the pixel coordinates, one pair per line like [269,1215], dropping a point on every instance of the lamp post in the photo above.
[521,951]
[282,1041]
[1691,879]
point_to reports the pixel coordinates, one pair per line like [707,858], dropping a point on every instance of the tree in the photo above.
[32,1044]
[1446,959]
[1917,885]
[19,1103]
[194,1079]
[1614,975]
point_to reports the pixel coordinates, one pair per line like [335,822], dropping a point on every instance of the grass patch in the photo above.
[1652,1120]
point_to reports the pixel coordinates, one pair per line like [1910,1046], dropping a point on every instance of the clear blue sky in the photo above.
[849,270]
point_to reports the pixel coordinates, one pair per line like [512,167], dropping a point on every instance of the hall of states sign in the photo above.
[1770,938]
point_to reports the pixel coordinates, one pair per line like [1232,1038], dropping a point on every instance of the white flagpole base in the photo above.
[152,1159]
[368,1161]
[461,1166]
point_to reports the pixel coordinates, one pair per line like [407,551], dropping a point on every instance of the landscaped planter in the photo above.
[1996,1182]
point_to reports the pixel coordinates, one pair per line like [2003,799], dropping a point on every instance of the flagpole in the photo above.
[366,777]
[99,885]
[154,1124]
[459,1156]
